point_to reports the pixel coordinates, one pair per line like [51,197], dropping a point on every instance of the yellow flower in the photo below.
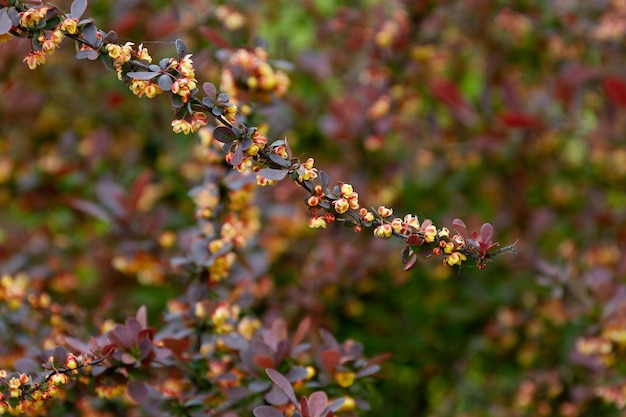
[384,230]
[34,59]
[455,258]
[69,25]
[341,205]
[345,379]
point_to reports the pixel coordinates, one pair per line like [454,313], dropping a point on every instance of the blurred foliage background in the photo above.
[509,112]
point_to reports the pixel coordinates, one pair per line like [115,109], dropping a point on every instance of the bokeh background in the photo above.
[508,112]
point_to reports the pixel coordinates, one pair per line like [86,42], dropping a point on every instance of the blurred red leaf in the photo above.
[615,88]
[520,120]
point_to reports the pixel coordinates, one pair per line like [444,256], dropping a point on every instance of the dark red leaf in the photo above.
[411,262]
[263,361]
[303,329]
[615,88]
[520,120]
[486,233]
[330,358]
[448,93]
[138,188]
[414,240]
[214,37]
[304,407]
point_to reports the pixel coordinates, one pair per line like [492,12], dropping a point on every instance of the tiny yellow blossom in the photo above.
[341,205]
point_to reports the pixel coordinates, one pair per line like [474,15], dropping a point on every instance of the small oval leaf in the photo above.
[266,411]
[58,356]
[77,8]
[181,49]
[237,157]
[209,90]
[279,160]
[224,134]
[273,174]
[5,21]
[142,75]
[165,82]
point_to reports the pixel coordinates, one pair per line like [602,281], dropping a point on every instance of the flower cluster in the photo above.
[249,70]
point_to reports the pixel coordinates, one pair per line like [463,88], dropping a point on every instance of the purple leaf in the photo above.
[210,90]
[279,160]
[460,228]
[181,49]
[237,157]
[26,366]
[336,405]
[275,396]
[138,391]
[5,21]
[142,75]
[323,179]
[89,54]
[142,317]
[486,233]
[77,345]
[267,411]
[224,134]
[78,8]
[317,403]
[112,196]
[369,370]
[91,209]
[329,339]
[165,82]
[273,174]
[282,383]
[58,356]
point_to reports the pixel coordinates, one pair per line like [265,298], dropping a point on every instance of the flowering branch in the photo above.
[245,148]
